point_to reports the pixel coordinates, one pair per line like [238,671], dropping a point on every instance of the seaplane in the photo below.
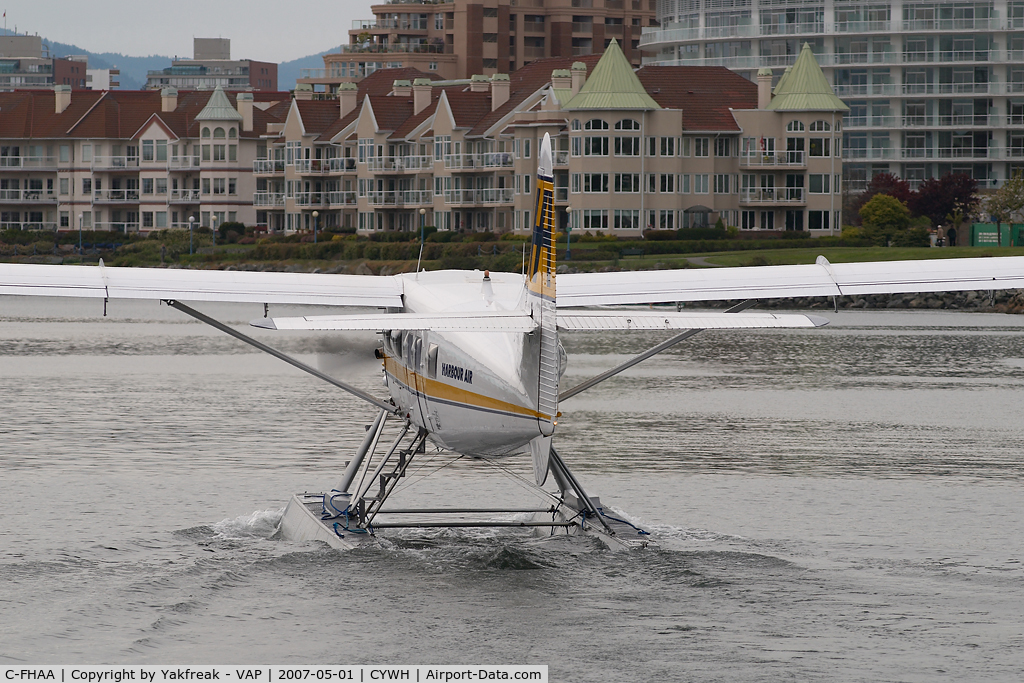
[472,361]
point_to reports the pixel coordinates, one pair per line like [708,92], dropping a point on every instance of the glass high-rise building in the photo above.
[933,87]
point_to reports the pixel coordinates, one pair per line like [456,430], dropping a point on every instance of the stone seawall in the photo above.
[1004,301]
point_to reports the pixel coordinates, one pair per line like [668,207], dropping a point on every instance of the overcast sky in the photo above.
[267,30]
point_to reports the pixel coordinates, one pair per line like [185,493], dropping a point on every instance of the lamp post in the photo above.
[316,217]
[214,231]
[568,233]
[191,222]
[79,234]
[423,213]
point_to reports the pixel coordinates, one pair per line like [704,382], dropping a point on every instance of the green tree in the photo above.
[883,217]
[1007,203]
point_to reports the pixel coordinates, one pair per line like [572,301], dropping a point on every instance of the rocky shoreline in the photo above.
[1004,301]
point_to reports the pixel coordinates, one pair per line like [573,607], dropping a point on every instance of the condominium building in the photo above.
[663,147]
[211,67]
[130,160]
[460,38]
[25,63]
[933,86]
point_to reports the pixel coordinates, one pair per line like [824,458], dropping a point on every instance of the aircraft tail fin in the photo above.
[540,273]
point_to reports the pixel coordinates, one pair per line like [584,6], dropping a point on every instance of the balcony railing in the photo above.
[869,153]
[473,161]
[310,198]
[27,225]
[28,162]
[883,121]
[116,162]
[118,226]
[972,24]
[864,90]
[268,199]
[501,195]
[183,163]
[185,196]
[950,153]
[952,121]
[115,196]
[268,166]
[339,198]
[418,48]
[399,164]
[27,197]
[774,195]
[399,198]
[792,29]
[778,159]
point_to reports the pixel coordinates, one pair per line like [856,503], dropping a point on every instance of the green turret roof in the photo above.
[805,88]
[218,108]
[612,85]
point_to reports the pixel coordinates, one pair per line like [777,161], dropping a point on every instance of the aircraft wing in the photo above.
[820,279]
[476,321]
[200,285]
[670,320]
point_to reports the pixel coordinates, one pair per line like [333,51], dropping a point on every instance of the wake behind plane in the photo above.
[473,363]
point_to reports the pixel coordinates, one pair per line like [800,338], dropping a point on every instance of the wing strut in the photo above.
[569,393]
[359,393]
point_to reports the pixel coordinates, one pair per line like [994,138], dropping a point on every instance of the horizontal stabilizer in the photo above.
[483,321]
[671,320]
[200,285]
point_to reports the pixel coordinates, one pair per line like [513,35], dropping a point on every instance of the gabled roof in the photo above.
[218,108]
[612,85]
[805,88]
[704,94]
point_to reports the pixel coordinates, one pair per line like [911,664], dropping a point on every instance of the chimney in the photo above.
[168,99]
[500,85]
[561,79]
[303,91]
[62,97]
[579,76]
[479,83]
[421,90]
[243,103]
[764,87]
[401,88]
[347,93]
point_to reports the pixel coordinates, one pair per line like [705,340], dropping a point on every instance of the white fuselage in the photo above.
[474,392]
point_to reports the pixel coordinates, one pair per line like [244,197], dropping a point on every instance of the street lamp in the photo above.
[316,216]
[191,222]
[568,233]
[423,213]
[214,232]
[79,234]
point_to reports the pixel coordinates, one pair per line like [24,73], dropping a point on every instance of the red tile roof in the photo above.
[703,93]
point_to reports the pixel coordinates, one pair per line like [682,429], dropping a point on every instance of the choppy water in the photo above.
[837,504]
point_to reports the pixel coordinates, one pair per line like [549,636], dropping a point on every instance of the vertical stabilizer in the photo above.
[541,286]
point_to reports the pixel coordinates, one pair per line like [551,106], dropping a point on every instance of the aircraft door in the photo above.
[419,367]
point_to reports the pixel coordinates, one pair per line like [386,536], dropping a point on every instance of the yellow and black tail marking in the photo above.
[541,271]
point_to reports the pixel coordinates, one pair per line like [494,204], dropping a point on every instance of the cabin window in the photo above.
[432,361]
[396,343]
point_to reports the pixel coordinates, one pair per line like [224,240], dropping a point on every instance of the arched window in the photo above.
[233,133]
[820,127]
[627,124]
[218,132]
[595,124]
[206,132]
[795,126]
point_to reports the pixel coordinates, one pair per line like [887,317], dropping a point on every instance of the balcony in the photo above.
[268,199]
[792,29]
[268,166]
[17,225]
[533,26]
[399,198]
[851,153]
[338,198]
[115,196]
[964,152]
[791,196]
[399,164]
[953,121]
[417,48]
[501,195]
[116,163]
[882,26]
[185,196]
[183,164]
[28,162]
[478,161]
[869,121]
[118,226]
[952,25]
[310,199]
[27,197]
[780,159]
[864,90]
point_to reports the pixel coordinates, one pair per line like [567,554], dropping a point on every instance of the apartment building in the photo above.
[26,64]
[211,67]
[663,147]
[933,86]
[460,38]
[130,161]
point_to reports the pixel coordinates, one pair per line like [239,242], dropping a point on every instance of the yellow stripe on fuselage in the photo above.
[432,388]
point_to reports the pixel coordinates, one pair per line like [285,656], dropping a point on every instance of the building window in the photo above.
[594,145]
[722,147]
[747,220]
[666,219]
[795,127]
[147,150]
[147,219]
[820,127]
[667,181]
[701,147]
[668,147]
[161,186]
[206,186]
[232,186]
[595,219]
[627,219]
[218,133]
[575,180]
[722,184]
[627,182]
[700,183]
[206,152]
[206,132]
[218,152]
[684,183]
[65,153]
[65,219]
[818,183]
[817,220]
[86,185]
[232,152]
[147,186]
[820,147]
[161,150]
[64,185]
[595,183]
